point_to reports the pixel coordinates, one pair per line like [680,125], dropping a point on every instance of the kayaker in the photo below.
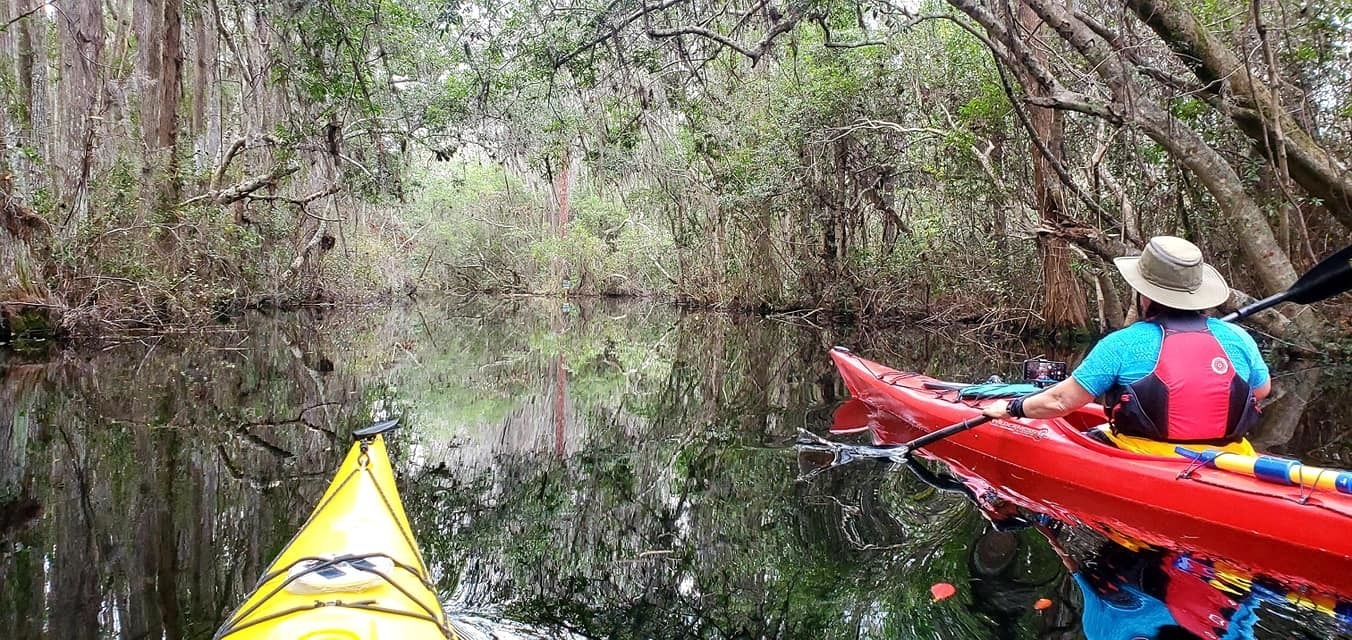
[1173,377]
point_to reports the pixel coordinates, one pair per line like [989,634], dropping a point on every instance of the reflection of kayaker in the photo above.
[1202,608]
[1130,591]
[1127,594]
[1146,593]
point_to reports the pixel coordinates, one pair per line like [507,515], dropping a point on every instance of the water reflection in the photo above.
[163,472]
[601,470]
[1114,589]
[1127,590]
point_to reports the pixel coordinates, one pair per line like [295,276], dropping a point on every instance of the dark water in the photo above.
[580,470]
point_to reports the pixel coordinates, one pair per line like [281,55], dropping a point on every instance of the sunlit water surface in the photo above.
[587,469]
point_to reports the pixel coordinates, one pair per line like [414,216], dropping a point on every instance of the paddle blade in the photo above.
[1327,279]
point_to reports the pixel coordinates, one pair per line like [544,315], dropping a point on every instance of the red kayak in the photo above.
[1294,534]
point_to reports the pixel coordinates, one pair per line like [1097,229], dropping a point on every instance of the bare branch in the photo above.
[628,20]
[240,144]
[243,189]
[302,202]
[1132,54]
[25,15]
[315,240]
[706,33]
[782,25]
[828,42]
[1071,101]
[229,156]
[1052,160]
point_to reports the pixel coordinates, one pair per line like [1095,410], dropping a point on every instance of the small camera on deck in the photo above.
[1042,372]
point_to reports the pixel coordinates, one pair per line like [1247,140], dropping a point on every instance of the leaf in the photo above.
[942,591]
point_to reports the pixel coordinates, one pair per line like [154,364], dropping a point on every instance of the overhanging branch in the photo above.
[611,33]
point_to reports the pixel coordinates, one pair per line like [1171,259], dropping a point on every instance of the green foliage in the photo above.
[9,87]
[1188,108]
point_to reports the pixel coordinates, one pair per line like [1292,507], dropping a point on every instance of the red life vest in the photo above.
[1196,605]
[1193,394]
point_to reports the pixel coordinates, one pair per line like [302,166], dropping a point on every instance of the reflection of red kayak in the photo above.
[1289,533]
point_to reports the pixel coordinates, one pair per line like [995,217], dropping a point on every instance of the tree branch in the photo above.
[628,20]
[781,26]
[237,146]
[1224,73]
[829,43]
[229,156]
[302,202]
[25,14]
[299,260]
[706,33]
[242,189]
[1133,56]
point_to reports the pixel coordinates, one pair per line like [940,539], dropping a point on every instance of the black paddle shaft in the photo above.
[945,432]
[1329,278]
[375,429]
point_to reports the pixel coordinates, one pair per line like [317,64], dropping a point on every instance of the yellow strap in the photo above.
[1166,449]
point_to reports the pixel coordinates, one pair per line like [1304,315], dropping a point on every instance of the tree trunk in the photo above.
[159,34]
[1256,241]
[1254,106]
[25,302]
[27,111]
[79,97]
[205,122]
[16,61]
[1281,416]
[1063,302]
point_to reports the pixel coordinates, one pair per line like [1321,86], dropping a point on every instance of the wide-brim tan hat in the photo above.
[1170,271]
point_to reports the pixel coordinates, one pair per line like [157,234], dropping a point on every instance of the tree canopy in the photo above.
[969,160]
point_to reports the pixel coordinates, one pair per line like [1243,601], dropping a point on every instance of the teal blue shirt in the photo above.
[1129,354]
[1126,614]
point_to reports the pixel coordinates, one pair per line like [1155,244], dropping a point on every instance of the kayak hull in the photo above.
[352,572]
[1288,533]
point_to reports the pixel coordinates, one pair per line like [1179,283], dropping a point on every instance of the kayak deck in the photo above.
[1292,533]
[352,572]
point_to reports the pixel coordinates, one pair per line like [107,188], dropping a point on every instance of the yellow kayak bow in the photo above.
[353,571]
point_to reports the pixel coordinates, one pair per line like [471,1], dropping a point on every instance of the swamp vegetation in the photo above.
[962,161]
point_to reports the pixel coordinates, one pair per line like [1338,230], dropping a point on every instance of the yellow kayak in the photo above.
[353,571]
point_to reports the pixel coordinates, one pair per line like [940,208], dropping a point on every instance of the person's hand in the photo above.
[998,409]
